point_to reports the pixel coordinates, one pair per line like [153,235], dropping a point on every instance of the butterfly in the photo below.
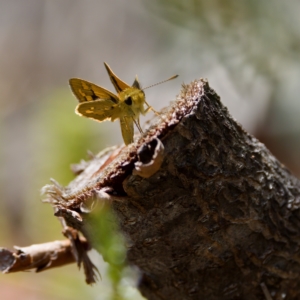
[100,104]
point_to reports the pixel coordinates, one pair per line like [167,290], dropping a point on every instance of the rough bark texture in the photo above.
[218,220]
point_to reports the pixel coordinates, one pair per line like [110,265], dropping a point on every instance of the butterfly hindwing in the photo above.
[99,110]
[127,129]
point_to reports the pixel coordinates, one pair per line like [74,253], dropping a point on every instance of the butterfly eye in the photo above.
[128,101]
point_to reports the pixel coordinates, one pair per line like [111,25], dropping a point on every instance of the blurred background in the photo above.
[248,50]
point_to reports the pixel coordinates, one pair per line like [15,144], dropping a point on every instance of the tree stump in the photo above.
[218,218]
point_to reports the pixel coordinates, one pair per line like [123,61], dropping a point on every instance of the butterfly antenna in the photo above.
[173,77]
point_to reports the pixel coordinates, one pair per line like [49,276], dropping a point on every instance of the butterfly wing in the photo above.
[86,91]
[100,104]
[127,129]
[99,110]
[119,84]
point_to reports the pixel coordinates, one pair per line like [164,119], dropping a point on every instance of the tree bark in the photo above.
[218,220]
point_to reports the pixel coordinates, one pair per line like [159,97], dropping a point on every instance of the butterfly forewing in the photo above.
[119,84]
[87,91]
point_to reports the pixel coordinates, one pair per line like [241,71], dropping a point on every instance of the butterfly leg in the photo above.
[151,108]
[138,125]
[156,112]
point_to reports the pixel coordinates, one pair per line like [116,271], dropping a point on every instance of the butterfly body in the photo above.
[100,104]
[132,102]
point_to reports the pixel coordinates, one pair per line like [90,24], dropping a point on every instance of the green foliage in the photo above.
[108,241]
